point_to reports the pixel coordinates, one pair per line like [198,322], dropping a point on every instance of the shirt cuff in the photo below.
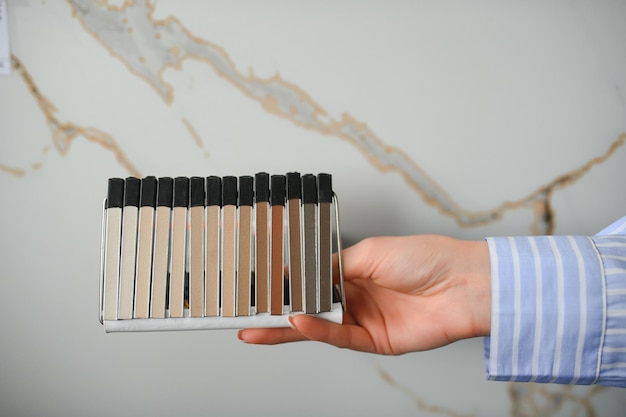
[612,368]
[548,310]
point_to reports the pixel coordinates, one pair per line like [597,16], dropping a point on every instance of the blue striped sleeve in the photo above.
[611,244]
[559,308]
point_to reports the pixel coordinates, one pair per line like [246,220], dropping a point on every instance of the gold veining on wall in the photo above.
[541,199]
[18,172]
[63,133]
[170,43]
[538,400]
[527,399]
[419,402]
[196,137]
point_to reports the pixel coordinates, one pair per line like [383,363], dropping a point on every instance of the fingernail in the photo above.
[240,336]
[290,322]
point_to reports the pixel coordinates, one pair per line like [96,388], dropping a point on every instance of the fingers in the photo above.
[270,336]
[310,328]
[340,335]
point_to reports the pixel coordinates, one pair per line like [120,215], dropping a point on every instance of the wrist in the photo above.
[474,273]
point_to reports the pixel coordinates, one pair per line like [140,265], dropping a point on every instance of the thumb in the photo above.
[358,260]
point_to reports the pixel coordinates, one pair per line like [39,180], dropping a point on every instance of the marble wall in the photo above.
[465,119]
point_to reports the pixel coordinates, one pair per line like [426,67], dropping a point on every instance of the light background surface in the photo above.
[465,119]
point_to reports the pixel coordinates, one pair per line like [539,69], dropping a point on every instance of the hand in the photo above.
[403,294]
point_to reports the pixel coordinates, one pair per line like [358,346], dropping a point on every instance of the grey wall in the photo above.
[469,120]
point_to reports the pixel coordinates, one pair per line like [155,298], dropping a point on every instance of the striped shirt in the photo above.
[558,310]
